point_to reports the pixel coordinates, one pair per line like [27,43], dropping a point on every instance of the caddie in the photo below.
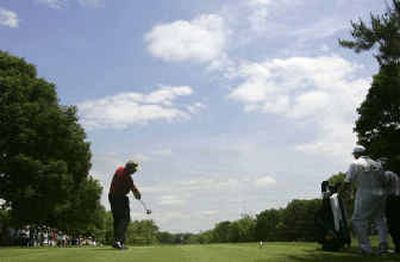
[368,176]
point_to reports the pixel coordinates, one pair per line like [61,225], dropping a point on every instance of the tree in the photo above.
[345,190]
[299,220]
[378,125]
[107,234]
[83,212]
[242,230]
[5,236]
[166,237]
[143,232]
[384,32]
[205,237]
[337,179]
[267,225]
[221,232]
[44,155]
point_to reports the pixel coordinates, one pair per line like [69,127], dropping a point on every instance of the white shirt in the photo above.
[367,175]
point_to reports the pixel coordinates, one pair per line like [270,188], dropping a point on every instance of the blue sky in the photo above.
[231,107]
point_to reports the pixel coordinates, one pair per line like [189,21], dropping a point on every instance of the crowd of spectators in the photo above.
[36,236]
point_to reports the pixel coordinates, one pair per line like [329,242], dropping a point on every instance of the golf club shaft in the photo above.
[146,210]
[143,204]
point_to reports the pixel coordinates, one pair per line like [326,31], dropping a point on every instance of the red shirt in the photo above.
[121,183]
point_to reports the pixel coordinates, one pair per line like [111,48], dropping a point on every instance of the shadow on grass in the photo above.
[347,256]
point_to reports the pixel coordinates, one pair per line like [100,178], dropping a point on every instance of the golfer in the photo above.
[369,178]
[121,185]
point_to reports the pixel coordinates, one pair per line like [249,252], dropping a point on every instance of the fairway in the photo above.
[218,252]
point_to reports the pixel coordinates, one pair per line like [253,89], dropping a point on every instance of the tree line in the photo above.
[295,222]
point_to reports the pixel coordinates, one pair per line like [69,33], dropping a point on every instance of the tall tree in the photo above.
[383,32]
[378,125]
[44,155]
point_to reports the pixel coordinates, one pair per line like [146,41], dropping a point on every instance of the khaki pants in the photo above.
[369,207]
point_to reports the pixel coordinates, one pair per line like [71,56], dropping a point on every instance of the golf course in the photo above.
[271,252]
[208,130]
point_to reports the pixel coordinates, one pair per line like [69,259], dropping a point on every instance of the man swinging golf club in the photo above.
[121,184]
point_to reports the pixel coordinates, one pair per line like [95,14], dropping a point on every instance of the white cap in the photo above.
[358,149]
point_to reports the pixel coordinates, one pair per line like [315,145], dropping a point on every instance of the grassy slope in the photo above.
[271,252]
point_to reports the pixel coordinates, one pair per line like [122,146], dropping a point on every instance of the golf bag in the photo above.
[331,220]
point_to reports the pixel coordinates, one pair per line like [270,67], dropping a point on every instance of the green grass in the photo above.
[270,252]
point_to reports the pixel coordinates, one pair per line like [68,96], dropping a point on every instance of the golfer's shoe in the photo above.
[367,252]
[383,249]
[117,245]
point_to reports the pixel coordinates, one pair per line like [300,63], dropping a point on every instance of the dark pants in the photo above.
[393,219]
[121,216]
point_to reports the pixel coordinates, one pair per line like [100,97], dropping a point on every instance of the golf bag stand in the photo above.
[331,220]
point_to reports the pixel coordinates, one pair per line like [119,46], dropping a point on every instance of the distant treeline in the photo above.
[295,222]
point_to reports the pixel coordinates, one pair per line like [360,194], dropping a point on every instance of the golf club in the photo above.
[147,210]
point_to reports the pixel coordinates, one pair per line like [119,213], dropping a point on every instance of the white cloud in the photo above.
[322,90]
[164,96]
[57,4]
[92,3]
[123,110]
[208,213]
[162,152]
[215,183]
[260,2]
[266,24]
[196,107]
[224,65]
[211,197]
[171,200]
[8,18]
[174,219]
[202,39]
[324,28]
[264,181]
[259,13]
